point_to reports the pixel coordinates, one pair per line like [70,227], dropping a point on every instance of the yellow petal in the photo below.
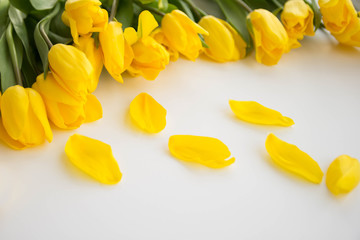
[93,157]
[4,136]
[207,151]
[147,113]
[146,25]
[343,175]
[290,158]
[254,112]
[93,109]
[130,35]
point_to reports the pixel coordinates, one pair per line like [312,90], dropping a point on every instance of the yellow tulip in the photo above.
[150,57]
[64,110]
[343,175]
[118,54]
[340,18]
[270,38]
[84,17]
[290,158]
[24,119]
[159,36]
[208,151]
[298,18]
[95,56]
[225,44]
[181,34]
[93,157]
[71,69]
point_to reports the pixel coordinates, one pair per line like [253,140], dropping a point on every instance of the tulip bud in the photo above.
[270,38]
[84,17]
[225,44]
[24,119]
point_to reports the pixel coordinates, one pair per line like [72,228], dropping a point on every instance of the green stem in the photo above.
[151,9]
[279,5]
[244,5]
[13,55]
[45,36]
[198,12]
[114,7]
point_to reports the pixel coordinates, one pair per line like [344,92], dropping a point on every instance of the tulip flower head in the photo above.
[225,44]
[298,18]
[117,52]
[150,57]
[84,17]
[181,34]
[270,38]
[24,120]
[340,18]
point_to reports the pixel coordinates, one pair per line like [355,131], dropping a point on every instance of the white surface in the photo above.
[42,196]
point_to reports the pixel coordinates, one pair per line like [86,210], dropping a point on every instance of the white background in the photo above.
[43,196]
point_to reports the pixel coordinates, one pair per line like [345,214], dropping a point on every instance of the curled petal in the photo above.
[93,157]
[290,158]
[207,151]
[343,175]
[254,112]
[147,113]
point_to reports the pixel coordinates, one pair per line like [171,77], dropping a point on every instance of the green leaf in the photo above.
[125,13]
[57,26]
[43,28]
[4,6]
[356,5]
[28,74]
[15,52]
[17,19]
[317,13]
[163,5]
[23,5]
[183,7]
[236,16]
[146,1]
[265,4]
[7,75]
[43,4]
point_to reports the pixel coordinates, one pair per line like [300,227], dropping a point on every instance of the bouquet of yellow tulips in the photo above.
[53,52]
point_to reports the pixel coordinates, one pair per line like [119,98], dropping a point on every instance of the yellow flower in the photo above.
[24,118]
[343,175]
[225,44]
[71,69]
[94,55]
[208,151]
[118,54]
[147,113]
[270,38]
[84,17]
[150,57]
[340,18]
[290,158]
[93,157]
[181,34]
[64,110]
[159,36]
[298,18]
[254,112]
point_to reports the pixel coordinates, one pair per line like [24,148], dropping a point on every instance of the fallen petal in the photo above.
[207,151]
[147,113]
[254,112]
[93,157]
[290,158]
[343,175]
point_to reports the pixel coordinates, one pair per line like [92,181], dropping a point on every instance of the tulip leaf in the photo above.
[265,4]
[43,4]
[17,19]
[15,52]
[57,26]
[163,5]
[28,73]
[356,5]
[7,75]
[43,28]
[236,15]
[125,13]
[183,7]
[317,14]
[4,6]
[24,6]
[146,1]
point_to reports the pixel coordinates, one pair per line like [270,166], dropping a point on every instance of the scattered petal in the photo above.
[254,112]
[93,157]
[207,151]
[147,113]
[290,158]
[343,175]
